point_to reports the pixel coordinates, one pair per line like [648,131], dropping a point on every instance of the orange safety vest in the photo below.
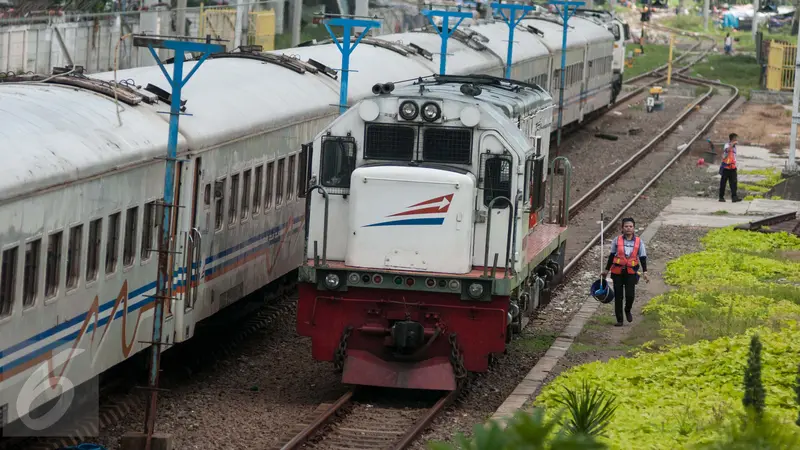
[729,162]
[620,261]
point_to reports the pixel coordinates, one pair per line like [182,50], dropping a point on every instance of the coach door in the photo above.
[189,262]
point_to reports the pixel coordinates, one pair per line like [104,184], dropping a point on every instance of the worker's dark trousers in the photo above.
[728,176]
[624,285]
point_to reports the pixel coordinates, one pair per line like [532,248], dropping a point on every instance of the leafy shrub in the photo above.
[524,431]
[729,268]
[749,433]
[731,239]
[670,399]
[687,316]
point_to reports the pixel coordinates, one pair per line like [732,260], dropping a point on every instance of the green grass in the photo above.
[538,343]
[653,56]
[745,41]
[739,70]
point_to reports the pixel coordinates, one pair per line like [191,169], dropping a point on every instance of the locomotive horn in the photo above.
[387,88]
[376,89]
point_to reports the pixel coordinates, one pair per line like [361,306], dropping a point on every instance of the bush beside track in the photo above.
[685,384]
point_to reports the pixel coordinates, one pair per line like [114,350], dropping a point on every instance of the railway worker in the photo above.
[626,255]
[727,169]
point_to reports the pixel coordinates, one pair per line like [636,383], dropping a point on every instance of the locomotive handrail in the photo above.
[514,230]
[197,254]
[489,230]
[324,194]
[563,218]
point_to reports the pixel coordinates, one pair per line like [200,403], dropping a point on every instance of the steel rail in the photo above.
[423,422]
[610,178]
[574,261]
[404,441]
[312,428]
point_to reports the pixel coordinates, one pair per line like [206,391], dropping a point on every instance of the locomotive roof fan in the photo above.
[601,290]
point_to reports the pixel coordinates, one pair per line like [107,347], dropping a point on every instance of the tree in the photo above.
[797,391]
[753,388]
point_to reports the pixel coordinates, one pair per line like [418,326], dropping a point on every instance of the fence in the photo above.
[780,66]
[221,24]
[94,40]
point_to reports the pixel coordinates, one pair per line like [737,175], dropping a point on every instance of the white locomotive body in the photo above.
[414,190]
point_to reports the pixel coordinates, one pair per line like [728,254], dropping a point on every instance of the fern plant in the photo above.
[590,409]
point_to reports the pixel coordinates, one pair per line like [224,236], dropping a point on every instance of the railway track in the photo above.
[218,339]
[354,424]
[710,116]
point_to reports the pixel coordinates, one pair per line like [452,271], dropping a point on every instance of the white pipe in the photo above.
[237,35]
[791,163]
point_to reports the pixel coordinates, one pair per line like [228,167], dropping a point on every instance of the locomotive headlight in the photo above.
[431,112]
[332,281]
[409,110]
[475,290]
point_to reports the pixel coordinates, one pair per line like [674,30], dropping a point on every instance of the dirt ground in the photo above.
[765,126]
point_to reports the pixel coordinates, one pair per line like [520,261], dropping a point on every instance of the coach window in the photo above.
[112,243]
[497,181]
[129,249]
[338,161]
[290,179]
[8,281]
[93,249]
[234,198]
[257,187]
[74,256]
[219,204]
[53,269]
[207,196]
[270,183]
[279,182]
[302,171]
[30,275]
[246,193]
[148,230]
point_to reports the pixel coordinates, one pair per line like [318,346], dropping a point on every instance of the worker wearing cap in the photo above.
[626,256]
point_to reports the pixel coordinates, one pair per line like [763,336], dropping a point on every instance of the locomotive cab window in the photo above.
[497,181]
[447,145]
[615,31]
[338,161]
